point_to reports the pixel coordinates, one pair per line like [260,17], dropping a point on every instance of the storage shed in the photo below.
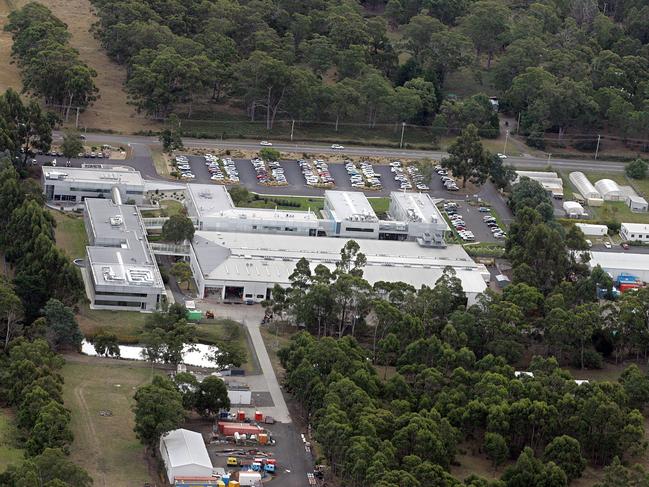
[585,187]
[184,455]
[637,203]
[573,209]
[609,190]
[592,230]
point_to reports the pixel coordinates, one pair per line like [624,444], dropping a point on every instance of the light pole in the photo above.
[403,128]
[597,149]
[506,139]
[549,155]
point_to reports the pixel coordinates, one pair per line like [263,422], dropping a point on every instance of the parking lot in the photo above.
[474,222]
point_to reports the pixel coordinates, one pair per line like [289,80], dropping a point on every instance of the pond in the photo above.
[134,352]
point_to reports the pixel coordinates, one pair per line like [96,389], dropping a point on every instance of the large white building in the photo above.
[634,232]
[617,263]
[75,184]
[240,266]
[351,215]
[121,272]
[185,455]
[215,211]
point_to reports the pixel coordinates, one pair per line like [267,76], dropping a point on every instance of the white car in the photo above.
[337,146]
[608,245]
[265,143]
[187,175]
[502,156]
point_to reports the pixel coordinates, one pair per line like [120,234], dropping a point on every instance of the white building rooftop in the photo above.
[186,447]
[348,205]
[211,200]
[636,228]
[113,175]
[120,255]
[419,207]
[247,257]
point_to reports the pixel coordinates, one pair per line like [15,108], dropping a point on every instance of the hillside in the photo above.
[110,111]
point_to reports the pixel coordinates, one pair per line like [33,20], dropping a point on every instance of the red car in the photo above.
[625,245]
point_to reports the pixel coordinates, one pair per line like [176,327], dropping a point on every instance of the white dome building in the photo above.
[609,190]
[585,187]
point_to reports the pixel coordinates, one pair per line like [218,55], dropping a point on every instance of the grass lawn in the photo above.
[70,234]
[9,451]
[160,161]
[380,205]
[126,325]
[106,446]
[295,203]
[167,208]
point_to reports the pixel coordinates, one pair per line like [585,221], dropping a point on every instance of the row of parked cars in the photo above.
[363,177]
[183,167]
[268,172]
[491,222]
[452,211]
[448,181]
[221,174]
[316,173]
[408,176]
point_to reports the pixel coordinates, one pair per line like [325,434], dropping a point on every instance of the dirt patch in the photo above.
[9,74]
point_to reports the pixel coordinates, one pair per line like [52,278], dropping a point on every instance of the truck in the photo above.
[249,478]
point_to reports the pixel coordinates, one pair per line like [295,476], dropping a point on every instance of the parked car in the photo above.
[502,156]
[265,143]
[484,209]
[625,245]
[337,147]
[607,245]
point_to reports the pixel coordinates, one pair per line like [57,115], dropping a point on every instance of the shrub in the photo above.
[636,169]
[592,359]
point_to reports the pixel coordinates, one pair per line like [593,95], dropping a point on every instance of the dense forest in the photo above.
[560,66]
[483,380]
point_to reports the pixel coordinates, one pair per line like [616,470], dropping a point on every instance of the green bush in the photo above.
[592,359]
[636,169]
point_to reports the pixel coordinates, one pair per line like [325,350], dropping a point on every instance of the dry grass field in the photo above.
[111,111]
[106,446]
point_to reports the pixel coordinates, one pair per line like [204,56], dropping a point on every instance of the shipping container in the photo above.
[241,415]
[194,315]
[234,483]
[229,429]
[628,286]
[263,439]
[259,417]
[626,278]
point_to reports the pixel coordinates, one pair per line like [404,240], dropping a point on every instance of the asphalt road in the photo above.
[523,162]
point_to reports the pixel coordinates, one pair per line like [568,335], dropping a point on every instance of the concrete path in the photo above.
[281,410]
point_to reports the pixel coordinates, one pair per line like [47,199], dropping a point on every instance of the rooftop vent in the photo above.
[116,221]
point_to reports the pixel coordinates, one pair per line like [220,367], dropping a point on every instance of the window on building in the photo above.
[260,296]
[248,295]
[365,230]
[632,235]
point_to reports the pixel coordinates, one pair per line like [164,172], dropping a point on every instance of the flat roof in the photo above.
[636,227]
[637,199]
[113,175]
[419,207]
[350,205]
[121,254]
[186,447]
[620,260]
[211,200]
[247,257]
